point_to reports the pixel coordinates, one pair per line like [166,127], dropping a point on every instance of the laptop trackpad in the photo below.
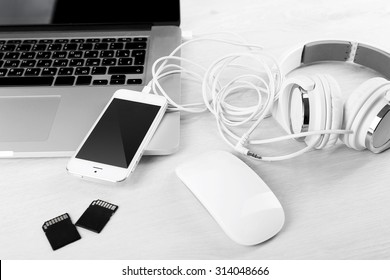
[27,118]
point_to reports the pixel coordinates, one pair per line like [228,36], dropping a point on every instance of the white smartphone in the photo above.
[114,145]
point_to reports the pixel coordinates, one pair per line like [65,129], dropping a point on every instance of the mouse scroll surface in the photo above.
[237,198]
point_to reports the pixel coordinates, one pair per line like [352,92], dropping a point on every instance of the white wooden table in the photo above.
[337,201]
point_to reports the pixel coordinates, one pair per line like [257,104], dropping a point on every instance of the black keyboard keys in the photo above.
[117,79]
[139,57]
[84,80]
[67,61]
[26,81]
[49,71]
[32,72]
[15,72]
[126,70]
[64,81]
[65,71]
[82,71]
[99,70]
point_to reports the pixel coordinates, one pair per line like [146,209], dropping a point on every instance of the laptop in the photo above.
[62,60]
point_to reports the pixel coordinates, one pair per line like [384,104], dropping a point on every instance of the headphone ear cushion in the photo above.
[317,116]
[353,105]
[337,108]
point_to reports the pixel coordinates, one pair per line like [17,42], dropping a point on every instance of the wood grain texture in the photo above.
[336,200]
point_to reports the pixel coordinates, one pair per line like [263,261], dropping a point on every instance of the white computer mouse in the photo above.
[237,198]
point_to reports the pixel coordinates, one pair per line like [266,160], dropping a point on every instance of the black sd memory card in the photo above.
[60,231]
[97,215]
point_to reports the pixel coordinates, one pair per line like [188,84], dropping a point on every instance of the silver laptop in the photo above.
[62,60]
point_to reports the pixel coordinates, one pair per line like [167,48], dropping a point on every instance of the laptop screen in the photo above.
[17,13]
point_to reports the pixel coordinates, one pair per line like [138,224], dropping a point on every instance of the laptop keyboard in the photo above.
[72,62]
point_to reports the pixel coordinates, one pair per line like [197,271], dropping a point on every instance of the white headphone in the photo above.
[313,103]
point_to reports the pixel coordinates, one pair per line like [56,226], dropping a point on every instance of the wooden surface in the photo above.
[336,201]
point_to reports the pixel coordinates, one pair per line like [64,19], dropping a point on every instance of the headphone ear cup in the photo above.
[354,105]
[317,116]
[337,108]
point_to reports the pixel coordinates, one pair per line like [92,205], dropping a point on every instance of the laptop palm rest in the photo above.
[27,118]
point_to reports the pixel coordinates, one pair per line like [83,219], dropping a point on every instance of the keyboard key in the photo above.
[11,55]
[26,81]
[30,42]
[117,82]
[49,71]
[14,42]
[32,72]
[116,46]
[93,62]
[85,47]
[108,40]
[15,72]
[118,77]
[124,39]
[139,60]
[77,41]
[59,55]
[3,72]
[65,71]
[64,81]
[61,41]
[82,71]
[99,70]
[100,82]
[139,57]
[60,62]
[1,55]
[44,63]
[22,48]
[136,53]
[8,48]
[134,81]
[126,70]
[46,41]
[27,55]
[109,61]
[84,80]
[54,47]
[91,54]
[1,63]
[76,62]
[75,54]
[39,47]
[93,40]
[123,53]
[28,63]
[101,46]
[43,55]
[12,63]
[107,54]
[125,61]
[70,47]
[140,39]
[132,46]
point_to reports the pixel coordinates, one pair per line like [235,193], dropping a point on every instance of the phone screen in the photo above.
[119,133]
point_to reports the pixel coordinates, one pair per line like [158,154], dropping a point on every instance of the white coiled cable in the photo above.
[264,79]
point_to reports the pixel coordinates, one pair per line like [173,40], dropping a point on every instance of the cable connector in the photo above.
[241,149]
[253,155]
[146,89]
[186,36]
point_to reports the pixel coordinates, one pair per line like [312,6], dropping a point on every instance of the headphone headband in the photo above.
[337,50]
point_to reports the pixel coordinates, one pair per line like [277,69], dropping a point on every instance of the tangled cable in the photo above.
[259,75]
